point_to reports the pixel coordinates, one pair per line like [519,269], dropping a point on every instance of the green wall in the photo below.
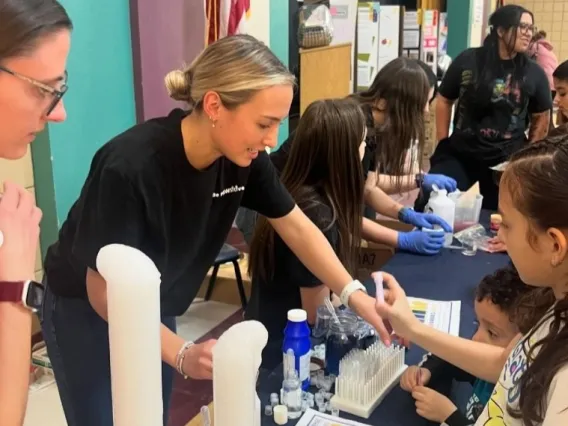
[459,25]
[279,29]
[99,103]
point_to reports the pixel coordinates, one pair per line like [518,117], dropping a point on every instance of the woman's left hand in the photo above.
[432,405]
[423,220]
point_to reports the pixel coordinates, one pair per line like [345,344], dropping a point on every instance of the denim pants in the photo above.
[78,347]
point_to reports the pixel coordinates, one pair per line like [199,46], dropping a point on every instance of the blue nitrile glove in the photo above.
[421,242]
[422,220]
[441,181]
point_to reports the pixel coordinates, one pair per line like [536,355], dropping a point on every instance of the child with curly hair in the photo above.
[497,296]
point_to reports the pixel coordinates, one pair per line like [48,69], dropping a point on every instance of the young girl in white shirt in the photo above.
[531,375]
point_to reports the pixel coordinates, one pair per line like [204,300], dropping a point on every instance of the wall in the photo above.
[258,24]
[459,26]
[164,38]
[100,104]
[552,17]
[279,29]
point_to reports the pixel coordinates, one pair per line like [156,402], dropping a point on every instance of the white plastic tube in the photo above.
[236,359]
[133,301]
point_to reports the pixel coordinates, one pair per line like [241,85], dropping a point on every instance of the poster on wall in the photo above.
[390,23]
[443,35]
[367,43]
[411,35]
[429,53]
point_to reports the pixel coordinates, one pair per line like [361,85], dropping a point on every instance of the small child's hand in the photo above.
[410,377]
[432,405]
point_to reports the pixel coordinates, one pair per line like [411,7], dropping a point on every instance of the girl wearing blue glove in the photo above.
[401,93]
[395,105]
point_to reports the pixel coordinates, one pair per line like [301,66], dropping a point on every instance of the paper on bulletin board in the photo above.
[315,418]
[389,34]
[367,43]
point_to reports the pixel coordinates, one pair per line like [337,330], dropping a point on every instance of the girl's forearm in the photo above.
[372,231]
[479,359]
[389,184]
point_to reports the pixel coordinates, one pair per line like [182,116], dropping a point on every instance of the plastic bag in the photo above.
[315,27]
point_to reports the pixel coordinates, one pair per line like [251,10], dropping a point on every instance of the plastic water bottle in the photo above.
[297,338]
[441,205]
[292,387]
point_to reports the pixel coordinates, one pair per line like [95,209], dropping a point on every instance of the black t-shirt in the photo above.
[271,299]
[141,191]
[491,129]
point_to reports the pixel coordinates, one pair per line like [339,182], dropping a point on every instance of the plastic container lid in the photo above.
[297,315]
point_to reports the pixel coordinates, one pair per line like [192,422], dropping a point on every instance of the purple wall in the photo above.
[165,35]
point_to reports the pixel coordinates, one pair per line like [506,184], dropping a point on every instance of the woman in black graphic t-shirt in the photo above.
[170,187]
[496,88]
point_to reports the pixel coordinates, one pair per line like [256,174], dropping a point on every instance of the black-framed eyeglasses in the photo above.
[526,28]
[56,94]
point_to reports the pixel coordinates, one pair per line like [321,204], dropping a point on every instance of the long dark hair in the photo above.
[537,180]
[404,86]
[23,23]
[324,161]
[505,18]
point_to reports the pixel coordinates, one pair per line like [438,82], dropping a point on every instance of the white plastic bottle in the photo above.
[441,205]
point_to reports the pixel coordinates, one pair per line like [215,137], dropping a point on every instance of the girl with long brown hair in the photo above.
[323,175]
[531,374]
[394,108]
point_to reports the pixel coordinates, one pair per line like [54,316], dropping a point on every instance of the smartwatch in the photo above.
[28,293]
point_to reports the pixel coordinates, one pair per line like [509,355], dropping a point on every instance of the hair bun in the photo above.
[178,86]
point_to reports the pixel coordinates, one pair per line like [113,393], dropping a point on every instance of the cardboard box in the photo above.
[372,256]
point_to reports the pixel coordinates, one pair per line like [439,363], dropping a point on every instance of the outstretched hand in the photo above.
[364,306]
[395,308]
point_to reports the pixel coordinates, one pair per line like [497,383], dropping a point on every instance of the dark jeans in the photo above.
[466,171]
[78,347]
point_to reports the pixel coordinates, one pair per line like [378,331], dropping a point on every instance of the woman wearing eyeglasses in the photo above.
[34,43]
[497,88]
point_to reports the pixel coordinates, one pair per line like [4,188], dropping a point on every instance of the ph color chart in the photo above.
[444,316]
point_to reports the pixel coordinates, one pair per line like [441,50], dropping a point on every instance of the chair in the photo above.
[227,254]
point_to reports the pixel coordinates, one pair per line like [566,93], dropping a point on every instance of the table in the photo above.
[446,276]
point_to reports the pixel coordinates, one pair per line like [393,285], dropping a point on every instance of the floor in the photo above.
[201,319]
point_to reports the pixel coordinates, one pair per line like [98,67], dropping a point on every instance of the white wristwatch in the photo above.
[349,289]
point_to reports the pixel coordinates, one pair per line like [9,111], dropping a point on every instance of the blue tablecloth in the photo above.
[447,276]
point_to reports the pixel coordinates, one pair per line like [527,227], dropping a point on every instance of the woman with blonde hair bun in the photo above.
[171,187]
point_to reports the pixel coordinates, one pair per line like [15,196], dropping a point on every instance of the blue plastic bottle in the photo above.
[297,338]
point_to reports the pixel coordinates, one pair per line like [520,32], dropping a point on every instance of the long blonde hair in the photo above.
[234,67]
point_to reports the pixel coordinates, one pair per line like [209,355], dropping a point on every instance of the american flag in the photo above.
[225,18]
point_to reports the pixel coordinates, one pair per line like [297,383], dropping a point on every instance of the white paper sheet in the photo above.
[441,315]
[315,418]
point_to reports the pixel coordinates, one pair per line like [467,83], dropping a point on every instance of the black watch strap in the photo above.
[419,178]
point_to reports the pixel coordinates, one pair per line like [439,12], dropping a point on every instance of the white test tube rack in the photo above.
[366,377]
